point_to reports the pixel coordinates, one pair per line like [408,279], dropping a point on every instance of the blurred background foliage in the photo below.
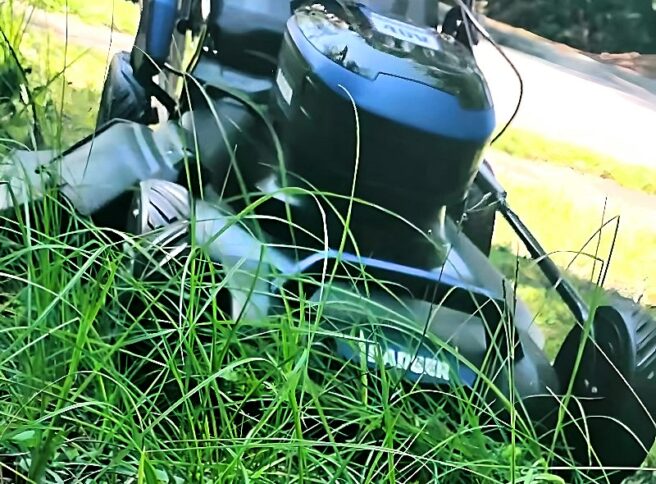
[591,25]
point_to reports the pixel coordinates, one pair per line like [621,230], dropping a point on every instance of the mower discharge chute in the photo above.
[383,122]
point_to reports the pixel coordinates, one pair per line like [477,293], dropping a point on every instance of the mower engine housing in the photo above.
[400,107]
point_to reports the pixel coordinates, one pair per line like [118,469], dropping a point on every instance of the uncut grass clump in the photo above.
[94,389]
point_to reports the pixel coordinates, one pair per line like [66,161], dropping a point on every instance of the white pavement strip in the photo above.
[562,105]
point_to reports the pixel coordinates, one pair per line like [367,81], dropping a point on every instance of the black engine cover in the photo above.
[401,110]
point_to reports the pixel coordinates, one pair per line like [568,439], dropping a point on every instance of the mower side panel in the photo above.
[386,331]
[96,171]
[20,178]
[471,265]
[124,154]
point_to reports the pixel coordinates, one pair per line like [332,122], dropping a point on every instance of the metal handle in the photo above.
[489,184]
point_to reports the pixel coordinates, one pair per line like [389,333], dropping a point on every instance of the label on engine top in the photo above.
[404,31]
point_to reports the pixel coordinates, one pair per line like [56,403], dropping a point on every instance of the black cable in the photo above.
[487,37]
[470,39]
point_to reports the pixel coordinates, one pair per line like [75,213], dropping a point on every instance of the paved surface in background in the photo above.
[567,95]
[566,105]
[591,105]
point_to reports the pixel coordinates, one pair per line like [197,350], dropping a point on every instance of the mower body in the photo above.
[398,121]
[362,134]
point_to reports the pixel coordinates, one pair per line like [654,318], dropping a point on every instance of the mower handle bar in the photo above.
[488,183]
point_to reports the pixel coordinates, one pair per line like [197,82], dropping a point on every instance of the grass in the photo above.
[565,214]
[212,400]
[71,77]
[240,403]
[64,82]
[94,393]
[531,146]
[120,15]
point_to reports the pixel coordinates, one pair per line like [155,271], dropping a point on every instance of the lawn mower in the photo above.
[353,134]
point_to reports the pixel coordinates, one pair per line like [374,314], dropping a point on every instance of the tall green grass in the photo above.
[177,389]
[91,393]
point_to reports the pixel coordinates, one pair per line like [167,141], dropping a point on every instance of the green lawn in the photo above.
[63,81]
[121,15]
[564,215]
[89,392]
[531,146]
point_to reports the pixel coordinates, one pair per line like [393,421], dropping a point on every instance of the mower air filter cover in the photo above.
[406,106]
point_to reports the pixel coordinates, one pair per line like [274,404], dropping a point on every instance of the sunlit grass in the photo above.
[533,146]
[73,76]
[64,81]
[120,15]
[566,211]
[90,391]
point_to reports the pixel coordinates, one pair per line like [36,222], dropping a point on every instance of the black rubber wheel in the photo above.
[122,96]
[619,417]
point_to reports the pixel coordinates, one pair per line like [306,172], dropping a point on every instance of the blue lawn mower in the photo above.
[355,135]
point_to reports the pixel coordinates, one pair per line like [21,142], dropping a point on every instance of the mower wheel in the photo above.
[613,411]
